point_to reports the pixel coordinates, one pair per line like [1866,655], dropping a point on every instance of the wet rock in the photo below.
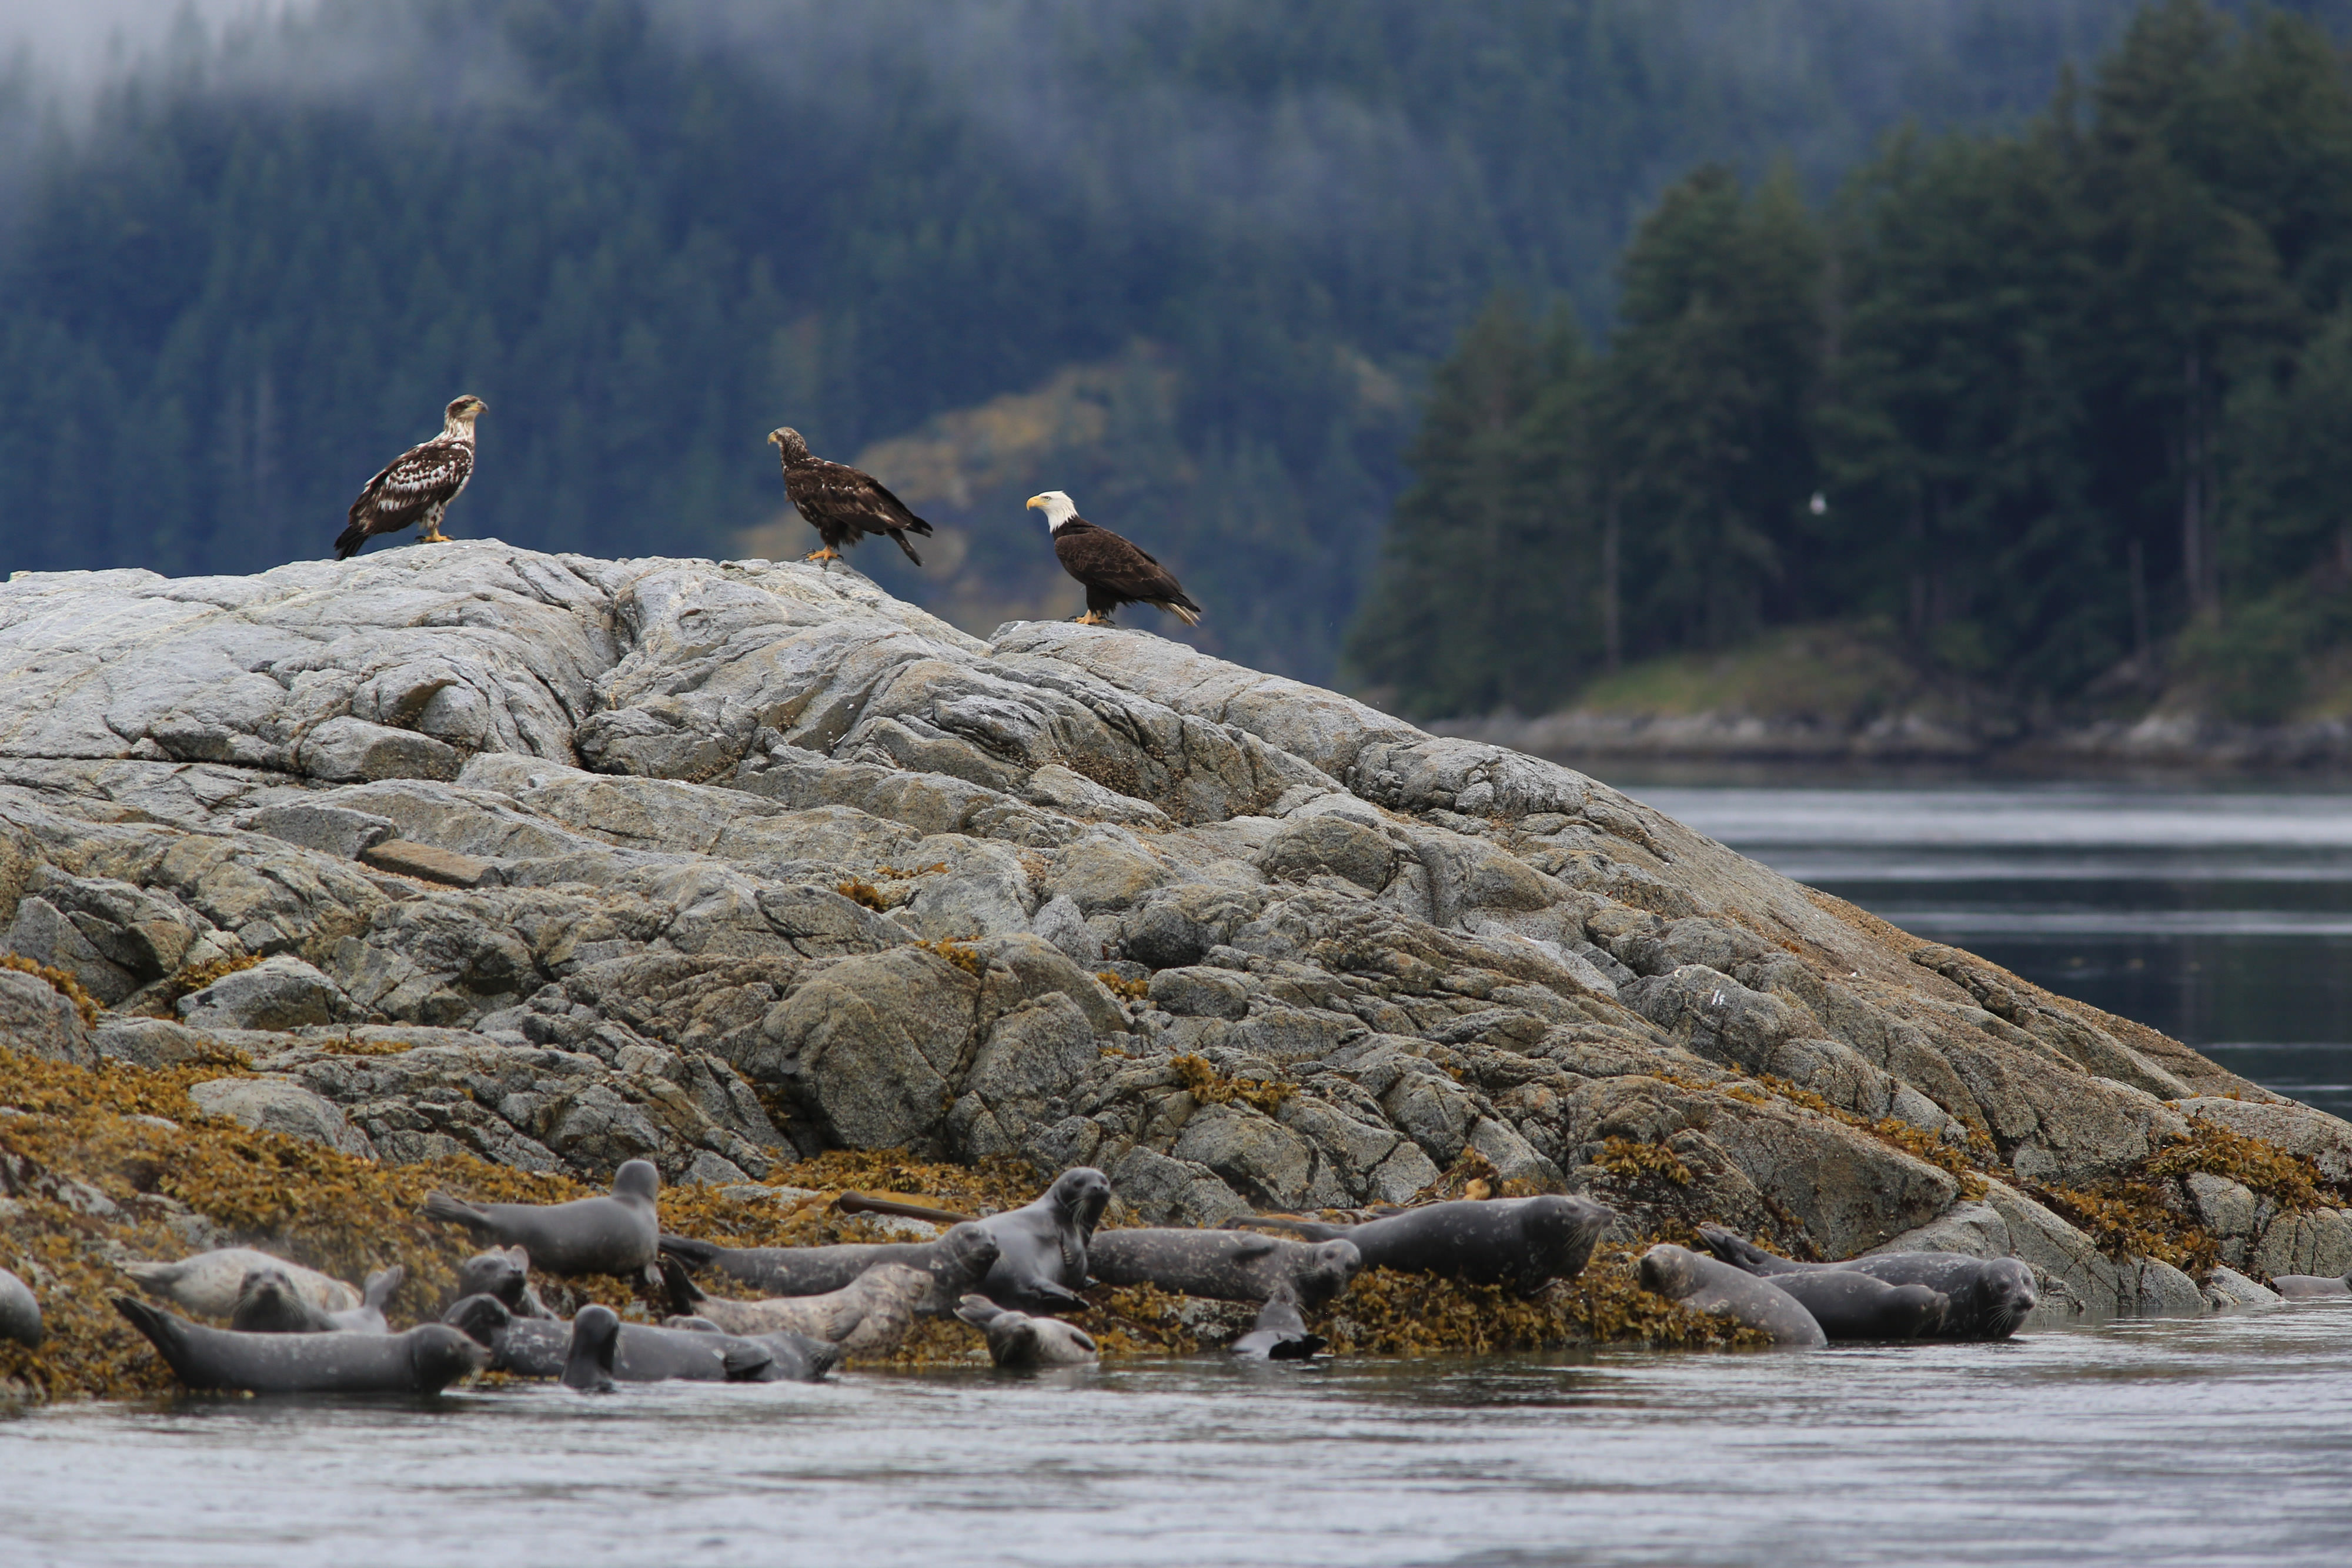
[2166,1291]
[2225,1287]
[2319,1243]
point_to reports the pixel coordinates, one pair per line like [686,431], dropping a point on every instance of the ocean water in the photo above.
[2223,918]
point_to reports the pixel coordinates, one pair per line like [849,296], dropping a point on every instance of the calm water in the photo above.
[2222,917]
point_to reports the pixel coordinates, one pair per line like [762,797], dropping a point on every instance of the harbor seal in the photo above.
[20,1310]
[1041,1264]
[1280,1333]
[1707,1285]
[267,1302]
[1985,1298]
[1225,1265]
[2311,1287]
[957,1262]
[1016,1339]
[866,1317]
[588,1356]
[543,1347]
[209,1281]
[611,1235]
[1851,1306]
[1523,1242]
[425,1360]
[503,1272]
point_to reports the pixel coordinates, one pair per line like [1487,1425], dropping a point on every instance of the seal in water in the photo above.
[541,1347]
[1016,1339]
[588,1359]
[1225,1265]
[1279,1334]
[870,1314]
[267,1302]
[20,1310]
[1041,1264]
[503,1272]
[2311,1287]
[1523,1242]
[1986,1297]
[612,1235]
[425,1360]
[957,1263]
[1851,1306]
[1706,1285]
[209,1281]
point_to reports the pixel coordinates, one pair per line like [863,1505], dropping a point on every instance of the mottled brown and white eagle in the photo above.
[1116,572]
[842,503]
[417,485]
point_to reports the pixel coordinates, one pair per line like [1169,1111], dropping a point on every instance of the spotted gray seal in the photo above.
[1041,1264]
[1280,1333]
[269,1302]
[2311,1287]
[541,1347]
[1523,1242]
[870,1314]
[1707,1285]
[425,1360]
[209,1281]
[1016,1339]
[1985,1298]
[957,1262]
[20,1310]
[1225,1265]
[611,1235]
[503,1272]
[1851,1306]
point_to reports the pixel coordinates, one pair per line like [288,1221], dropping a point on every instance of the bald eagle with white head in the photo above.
[417,485]
[1116,572]
[842,503]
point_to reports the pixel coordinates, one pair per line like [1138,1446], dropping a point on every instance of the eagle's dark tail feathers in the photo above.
[348,542]
[900,535]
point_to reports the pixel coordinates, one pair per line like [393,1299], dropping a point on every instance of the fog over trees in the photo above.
[237,278]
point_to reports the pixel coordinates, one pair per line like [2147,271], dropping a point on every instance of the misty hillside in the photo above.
[1191,262]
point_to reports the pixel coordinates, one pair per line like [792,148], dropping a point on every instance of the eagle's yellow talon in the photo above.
[823,555]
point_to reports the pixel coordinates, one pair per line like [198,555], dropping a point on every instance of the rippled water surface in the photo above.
[2223,918]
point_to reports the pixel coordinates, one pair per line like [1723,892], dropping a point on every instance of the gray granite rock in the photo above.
[275,1104]
[38,1020]
[279,993]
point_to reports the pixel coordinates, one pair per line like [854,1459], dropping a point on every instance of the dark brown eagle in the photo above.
[417,485]
[843,504]
[1115,570]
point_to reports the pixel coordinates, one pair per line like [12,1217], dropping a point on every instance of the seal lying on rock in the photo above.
[20,1310]
[1225,1265]
[612,1235]
[1016,1339]
[869,1315]
[269,1302]
[541,1347]
[1523,1242]
[209,1281]
[503,1272]
[957,1262]
[1041,1264]
[1987,1298]
[1851,1306]
[1280,1333]
[2311,1287]
[1706,1285]
[425,1360]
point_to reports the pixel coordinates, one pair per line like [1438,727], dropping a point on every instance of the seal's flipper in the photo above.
[687,1250]
[382,1285]
[684,1294]
[441,1206]
[746,1363]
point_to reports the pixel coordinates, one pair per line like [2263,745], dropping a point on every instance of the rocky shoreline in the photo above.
[537,864]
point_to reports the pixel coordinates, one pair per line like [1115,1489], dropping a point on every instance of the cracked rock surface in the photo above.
[563,862]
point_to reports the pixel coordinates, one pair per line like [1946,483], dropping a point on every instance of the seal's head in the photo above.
[1670,1271]
[440,1356]
[480,1317]
[595,1335]
[1328,1272]
[636,1179]
[1562,1231]
[1083,1193]
[970,1251]
[502,1271]
[2005,1293]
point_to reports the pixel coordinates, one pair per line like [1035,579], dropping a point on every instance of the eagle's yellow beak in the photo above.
[1035,502]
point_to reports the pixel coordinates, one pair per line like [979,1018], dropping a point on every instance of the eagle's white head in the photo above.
[1058,508]
[458,419]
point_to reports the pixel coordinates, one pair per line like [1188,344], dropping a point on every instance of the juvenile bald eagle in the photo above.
[417,485]
[843,504]
[1115,570]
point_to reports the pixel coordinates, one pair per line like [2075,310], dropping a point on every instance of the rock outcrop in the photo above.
[563,861]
